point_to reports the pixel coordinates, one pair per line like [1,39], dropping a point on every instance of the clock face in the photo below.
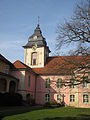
[35,37]
[34,47]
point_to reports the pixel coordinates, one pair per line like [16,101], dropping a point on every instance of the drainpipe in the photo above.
[35,88]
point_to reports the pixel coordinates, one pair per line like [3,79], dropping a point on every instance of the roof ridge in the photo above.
[20,62]
[5,59]
[26,66]
[67,56]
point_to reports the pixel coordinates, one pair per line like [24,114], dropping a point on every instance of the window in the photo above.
[72,98]
[71,84]
[47,97]
[34,58]
[85,98]
[6,69]
[29,80]
[59,83]
[47,85]
[85,84]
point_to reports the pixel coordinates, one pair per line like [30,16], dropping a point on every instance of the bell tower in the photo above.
[36,50]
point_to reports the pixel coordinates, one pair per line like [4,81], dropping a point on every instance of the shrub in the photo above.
[32,101]
[1,99]
[54,104]
[47,104]
[8,99]
[61,104]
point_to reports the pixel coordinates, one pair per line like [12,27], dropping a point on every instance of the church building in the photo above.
[52,79]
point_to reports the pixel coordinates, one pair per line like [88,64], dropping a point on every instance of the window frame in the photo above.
[85,83]
[85,98]
[47,83]
[72,98]
[47,97]
[33,60]
[59,83]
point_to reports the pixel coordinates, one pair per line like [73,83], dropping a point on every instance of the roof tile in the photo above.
[62,65]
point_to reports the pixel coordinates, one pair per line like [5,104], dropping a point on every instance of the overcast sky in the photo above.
[18,19]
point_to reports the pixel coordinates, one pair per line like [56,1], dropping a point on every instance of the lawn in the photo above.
[62,113]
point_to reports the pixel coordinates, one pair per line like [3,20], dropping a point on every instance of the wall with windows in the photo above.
[8,84]
[20,74]
[48,86]
[84,94]
[26,82]
[52,89]
[30,79]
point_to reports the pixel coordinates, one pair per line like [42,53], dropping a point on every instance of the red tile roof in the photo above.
[57,65]
[62,65]
[20,65]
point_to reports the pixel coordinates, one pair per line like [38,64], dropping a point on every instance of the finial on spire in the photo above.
[38,20]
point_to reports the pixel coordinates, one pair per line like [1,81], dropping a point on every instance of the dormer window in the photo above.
[34,58]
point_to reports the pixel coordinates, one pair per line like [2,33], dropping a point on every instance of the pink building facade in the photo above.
[70,95]
[48,79]
[27,79]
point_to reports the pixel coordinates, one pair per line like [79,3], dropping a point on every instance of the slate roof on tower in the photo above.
[36,39]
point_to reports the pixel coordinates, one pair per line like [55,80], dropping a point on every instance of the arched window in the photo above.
[34,58]
[59,83]
[47,85]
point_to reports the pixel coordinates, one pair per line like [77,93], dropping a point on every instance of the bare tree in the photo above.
[77,29]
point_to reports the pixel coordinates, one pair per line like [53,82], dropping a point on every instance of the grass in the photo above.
[63,113]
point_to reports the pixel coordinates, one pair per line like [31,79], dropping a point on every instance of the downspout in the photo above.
[35,87]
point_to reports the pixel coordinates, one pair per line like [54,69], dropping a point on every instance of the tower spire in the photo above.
[38,20]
